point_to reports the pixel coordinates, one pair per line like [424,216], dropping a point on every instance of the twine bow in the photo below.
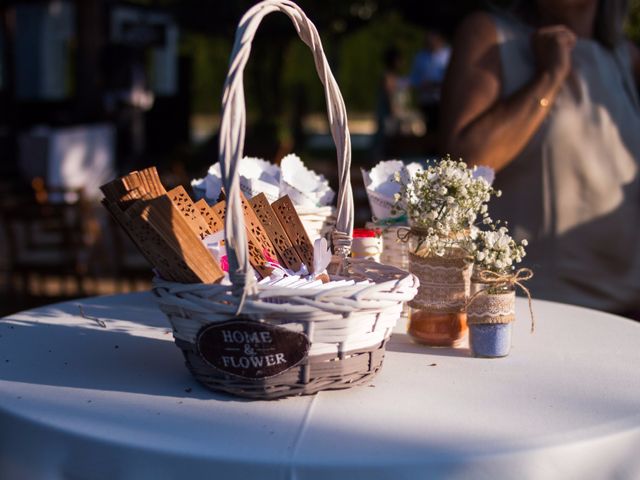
[405,233]
[507,280]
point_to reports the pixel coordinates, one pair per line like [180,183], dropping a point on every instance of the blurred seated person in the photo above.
[427,73]
[547,95]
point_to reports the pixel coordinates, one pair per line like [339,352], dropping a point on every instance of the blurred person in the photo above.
[393,117]
[427,73]
[546,94]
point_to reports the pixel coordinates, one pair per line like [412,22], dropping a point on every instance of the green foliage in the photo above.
[210,56]
[361,57]
[299,77]
[632,25]
[356,59]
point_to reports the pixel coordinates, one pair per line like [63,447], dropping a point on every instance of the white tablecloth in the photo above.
[80,401]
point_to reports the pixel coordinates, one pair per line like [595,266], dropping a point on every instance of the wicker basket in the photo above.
[319,222]
[332,338]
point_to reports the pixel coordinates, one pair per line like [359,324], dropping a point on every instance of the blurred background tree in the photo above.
[281,84]
[632,27]
[281,78]
[74,58]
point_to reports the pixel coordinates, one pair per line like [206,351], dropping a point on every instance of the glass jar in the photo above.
[438,316]
[395,252]
[366,243]
[490,316]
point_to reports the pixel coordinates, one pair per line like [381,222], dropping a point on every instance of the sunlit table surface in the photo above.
[83,401]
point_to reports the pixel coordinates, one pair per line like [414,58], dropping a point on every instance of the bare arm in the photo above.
[477,124]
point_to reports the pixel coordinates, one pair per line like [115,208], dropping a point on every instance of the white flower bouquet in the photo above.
[496,251]
[491,307]
[443,203]
[453,235]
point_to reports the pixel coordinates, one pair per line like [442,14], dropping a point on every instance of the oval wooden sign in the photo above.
[251,349]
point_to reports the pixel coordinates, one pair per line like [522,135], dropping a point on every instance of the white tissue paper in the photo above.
[199,188]
[410,171]
[381,185]
[321,256]
[259,176]
[213,183]
[305,187]
[256,176]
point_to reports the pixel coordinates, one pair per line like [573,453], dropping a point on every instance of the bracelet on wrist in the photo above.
[543,102]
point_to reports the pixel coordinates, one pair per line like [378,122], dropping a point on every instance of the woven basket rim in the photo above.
[284,291]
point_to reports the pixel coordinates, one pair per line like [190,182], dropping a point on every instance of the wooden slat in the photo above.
[125,223]
[152,180]
[254,225]
[153,247]
[288,217]
[287,254]
[214,222]
[179,237]
[219,210]
[167,237]
[256,257]
[122,192]
[133,181]
[183,203]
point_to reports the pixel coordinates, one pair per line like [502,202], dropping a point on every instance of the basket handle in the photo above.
[232,132]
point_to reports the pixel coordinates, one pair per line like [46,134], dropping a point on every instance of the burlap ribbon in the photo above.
[444,282]
[507,281]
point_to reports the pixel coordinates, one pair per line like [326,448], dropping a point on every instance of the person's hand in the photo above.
[552,48]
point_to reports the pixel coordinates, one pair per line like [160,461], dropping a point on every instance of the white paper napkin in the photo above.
[305,187]
[381,185]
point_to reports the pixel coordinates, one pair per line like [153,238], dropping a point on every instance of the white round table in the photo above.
[81,401]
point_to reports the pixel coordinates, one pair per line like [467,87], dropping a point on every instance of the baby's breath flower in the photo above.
[497,251]
[447,199]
